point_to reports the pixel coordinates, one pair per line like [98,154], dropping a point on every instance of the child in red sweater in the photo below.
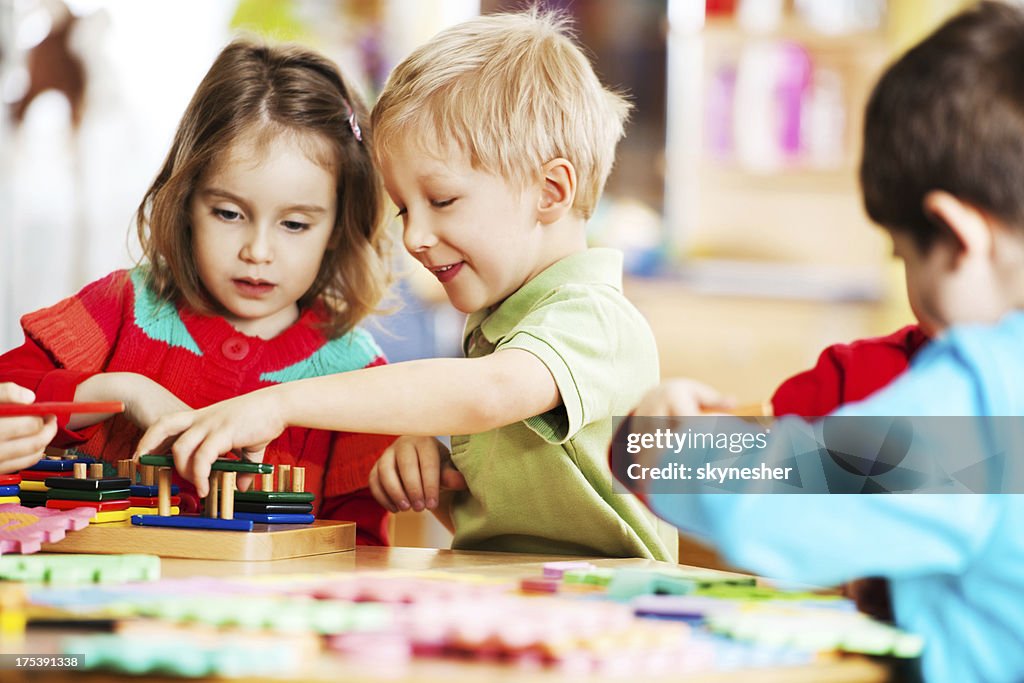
[264,247]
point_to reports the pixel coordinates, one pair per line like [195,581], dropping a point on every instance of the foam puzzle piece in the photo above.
[557,570]
[25,529]
[221,465]
[629,583]
[275,518]
[818,629]
[75,569]
[88,484]
[190,522]
[189,656]
[594,577]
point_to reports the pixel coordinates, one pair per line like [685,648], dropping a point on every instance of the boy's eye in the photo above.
[441,203]
[227,214]
[295,226]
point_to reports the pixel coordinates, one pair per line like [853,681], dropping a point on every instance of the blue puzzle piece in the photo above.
[150,491]
[10,490]
[45,465]
[190,522]
[280,518]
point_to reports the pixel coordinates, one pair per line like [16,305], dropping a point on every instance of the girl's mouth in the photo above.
[253,289]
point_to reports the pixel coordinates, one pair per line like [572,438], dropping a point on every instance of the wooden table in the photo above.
[427,671]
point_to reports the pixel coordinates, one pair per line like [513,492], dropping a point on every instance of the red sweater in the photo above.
[848,372]
[118,325]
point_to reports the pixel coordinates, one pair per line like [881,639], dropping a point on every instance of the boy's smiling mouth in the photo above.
[447,272]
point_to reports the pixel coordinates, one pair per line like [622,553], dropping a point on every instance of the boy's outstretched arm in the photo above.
[419,398]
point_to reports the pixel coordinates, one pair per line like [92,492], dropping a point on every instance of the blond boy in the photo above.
[494,141]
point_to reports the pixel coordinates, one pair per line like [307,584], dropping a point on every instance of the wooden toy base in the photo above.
[264,542]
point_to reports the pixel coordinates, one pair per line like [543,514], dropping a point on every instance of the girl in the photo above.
[264,247]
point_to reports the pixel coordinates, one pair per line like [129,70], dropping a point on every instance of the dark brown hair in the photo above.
[949,115]
[287,89]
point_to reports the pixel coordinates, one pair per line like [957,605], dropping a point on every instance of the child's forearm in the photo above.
[107,386]
[422,398]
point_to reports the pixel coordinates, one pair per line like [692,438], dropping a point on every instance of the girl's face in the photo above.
[261,219]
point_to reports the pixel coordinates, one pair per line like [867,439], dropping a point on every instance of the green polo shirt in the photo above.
[543,485]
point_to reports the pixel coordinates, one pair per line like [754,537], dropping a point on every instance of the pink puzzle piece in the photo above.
[24,530]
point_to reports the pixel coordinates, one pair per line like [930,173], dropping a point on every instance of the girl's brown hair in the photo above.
[291,89]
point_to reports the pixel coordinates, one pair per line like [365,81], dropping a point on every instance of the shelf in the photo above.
[727,30]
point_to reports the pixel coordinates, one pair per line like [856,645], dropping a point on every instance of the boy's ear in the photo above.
[558,192]
[969,226]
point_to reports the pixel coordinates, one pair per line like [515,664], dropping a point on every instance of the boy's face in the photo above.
[474,231]
[945,287]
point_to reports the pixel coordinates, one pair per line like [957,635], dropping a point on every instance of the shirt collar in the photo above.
[595,266]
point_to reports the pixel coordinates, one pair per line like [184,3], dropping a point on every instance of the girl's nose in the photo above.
[257,248]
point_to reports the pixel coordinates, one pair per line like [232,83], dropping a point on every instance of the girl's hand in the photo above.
[412,472]
[682,398]
[146,401]
[22,439]
[196,438]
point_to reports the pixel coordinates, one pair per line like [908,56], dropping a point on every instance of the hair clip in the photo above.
[353,123]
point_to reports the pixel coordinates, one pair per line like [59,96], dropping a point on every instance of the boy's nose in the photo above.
[257,248]
[417,236]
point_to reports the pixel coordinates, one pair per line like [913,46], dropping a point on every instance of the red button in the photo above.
[235,348]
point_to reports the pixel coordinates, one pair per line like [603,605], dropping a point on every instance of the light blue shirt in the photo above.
[956,563]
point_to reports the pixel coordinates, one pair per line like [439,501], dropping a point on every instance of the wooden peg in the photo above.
[298,479]
[227,495]
[124,468]
[163,491]
[96,470]
[267,482]
[283,477]
[148,475]
[213,495]
[81,470]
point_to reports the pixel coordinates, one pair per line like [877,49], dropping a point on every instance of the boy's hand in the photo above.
[412,472]
[196,438]
[682,397]
[22,439]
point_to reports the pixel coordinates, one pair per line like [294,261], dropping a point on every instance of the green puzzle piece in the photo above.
[273,497]
[71,494]
[73,569]
[218,465]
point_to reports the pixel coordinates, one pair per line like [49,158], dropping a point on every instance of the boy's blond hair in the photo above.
[514,91]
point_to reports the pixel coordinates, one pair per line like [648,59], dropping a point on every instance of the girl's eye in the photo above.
[401,212]
[295,226]
[440,204]
[227,214]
